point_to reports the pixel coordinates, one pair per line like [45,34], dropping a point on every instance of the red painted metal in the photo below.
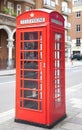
[40,67]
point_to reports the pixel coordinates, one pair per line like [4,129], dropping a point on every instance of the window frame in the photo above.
[78,28]
[78,14]
[10,6]
[78,41]
[28,8]
[19,10]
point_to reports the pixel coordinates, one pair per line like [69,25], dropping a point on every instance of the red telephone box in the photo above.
[40,68]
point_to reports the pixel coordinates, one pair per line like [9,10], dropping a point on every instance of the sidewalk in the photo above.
[73,121]
[7,72]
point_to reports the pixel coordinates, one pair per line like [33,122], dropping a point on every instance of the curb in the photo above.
[7,72]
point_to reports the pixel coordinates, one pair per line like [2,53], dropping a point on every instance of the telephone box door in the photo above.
[31,87]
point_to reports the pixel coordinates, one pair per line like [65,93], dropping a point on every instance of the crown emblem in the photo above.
[32,15]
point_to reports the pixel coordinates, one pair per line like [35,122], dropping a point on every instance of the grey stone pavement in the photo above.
[73,63]
[73,121]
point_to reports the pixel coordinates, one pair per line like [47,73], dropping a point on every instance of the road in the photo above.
[73,76]
[7,93]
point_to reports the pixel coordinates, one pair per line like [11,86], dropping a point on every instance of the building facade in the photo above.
[76,27]
[10,9]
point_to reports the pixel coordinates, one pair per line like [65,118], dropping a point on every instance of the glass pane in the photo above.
[40,55]
[30,65]
[30,55]
[57,82]
[57,46]
[31,94]
[21,35]
[40,105]
[21,46]
[58,54]
[40,36]
[57,36]
[21,55]
[21,83]
[30,35]
[57,73]
[40,95]
[40,75]
[30,45]
[31,50]
[31,74]
[31,104]
[57,64]
[30,84]
[20,103]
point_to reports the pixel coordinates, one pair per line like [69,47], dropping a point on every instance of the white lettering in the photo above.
[56,21]
[33,20]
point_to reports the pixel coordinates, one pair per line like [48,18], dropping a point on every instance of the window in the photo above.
[78,42]
[78,28]
[49,3]
[18,9]
[56,1]
[76,52]
[65,6]
[28,8]
[10,7]
[78,14]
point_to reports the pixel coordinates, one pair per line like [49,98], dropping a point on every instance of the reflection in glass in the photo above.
[31,74]
[40,35]
[40,75]
[30,65]
[57,82]
[30,45]
[57,46]
[30,35]
[21,55]
[40,55]
[40,46]
[30,84]
[30,55]
[58,54]
[21,83]
[40,95]
[57,64]
[31,94]
[40,105]
[58,36]
[31,104]
[57,73]
[20,103]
